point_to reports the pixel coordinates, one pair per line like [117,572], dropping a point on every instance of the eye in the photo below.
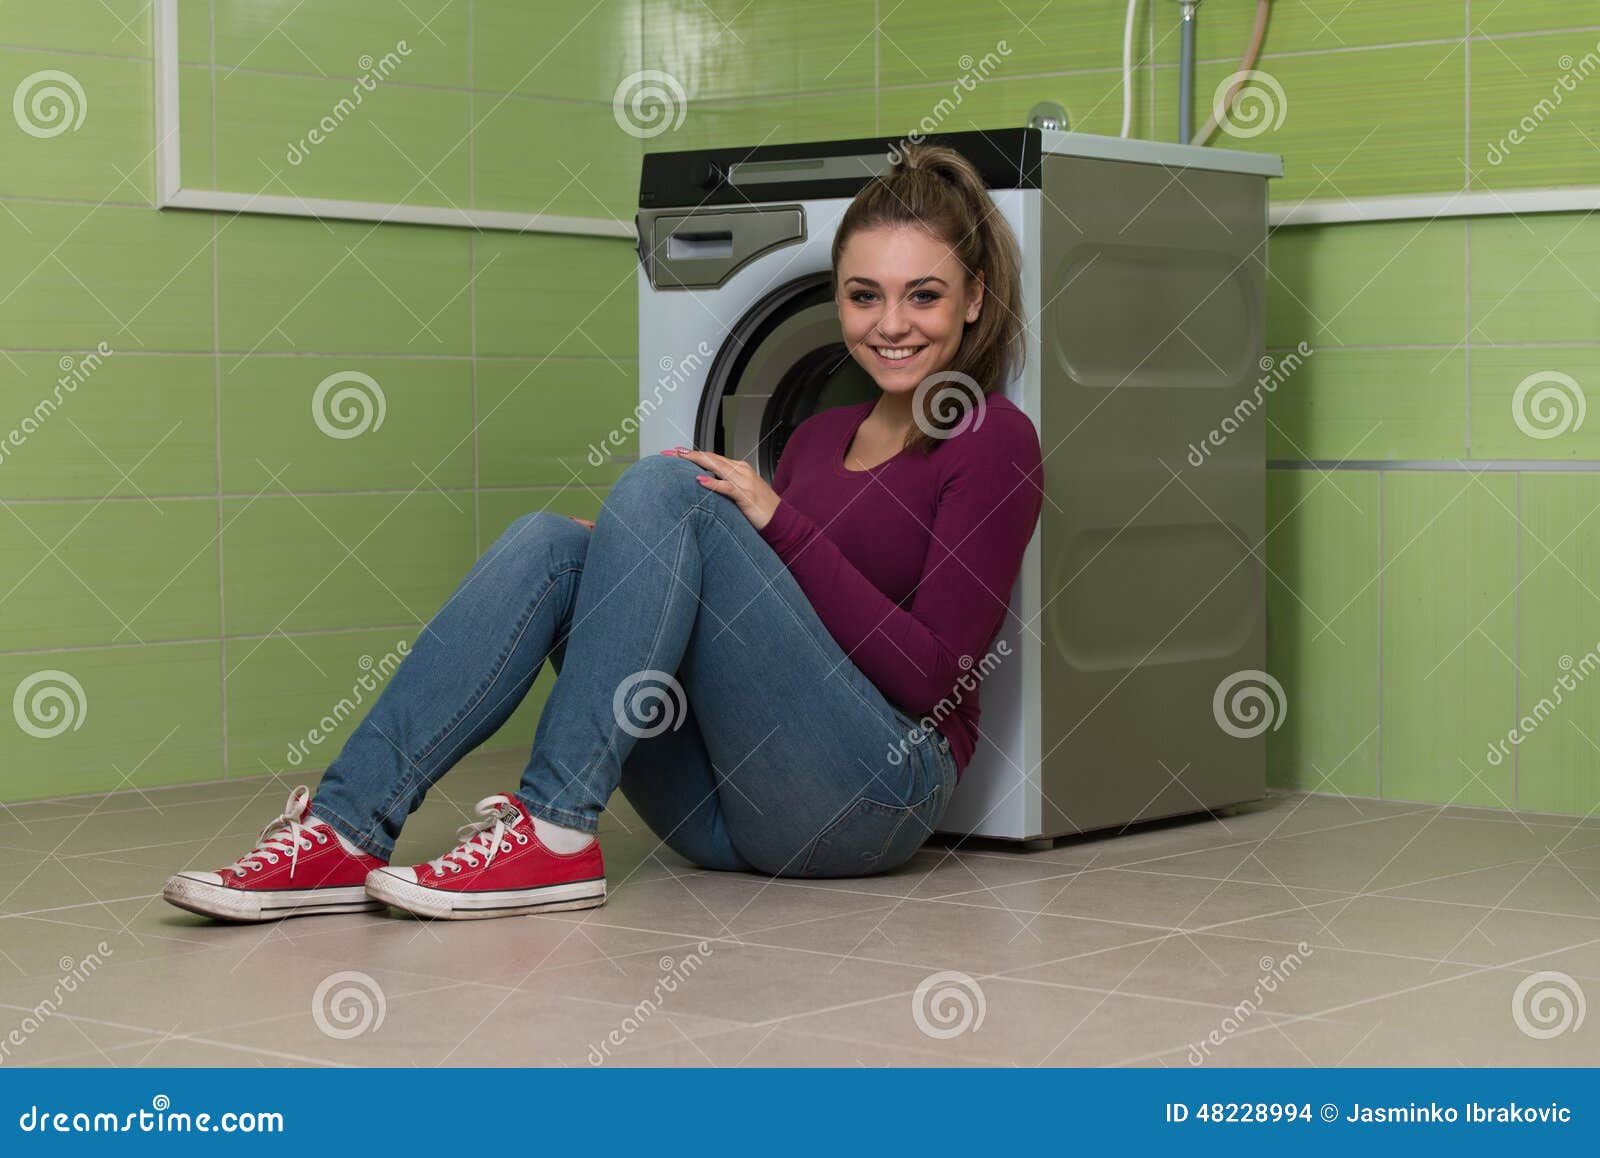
[926,297]
[860,295]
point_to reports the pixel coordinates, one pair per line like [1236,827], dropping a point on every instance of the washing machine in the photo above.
[1141,598]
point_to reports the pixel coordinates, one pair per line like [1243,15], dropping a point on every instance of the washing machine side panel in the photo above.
[1155,593]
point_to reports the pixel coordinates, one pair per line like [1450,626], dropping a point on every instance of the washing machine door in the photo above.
[784,361]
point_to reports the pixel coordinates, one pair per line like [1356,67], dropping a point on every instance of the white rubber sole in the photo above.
[227,904]
[442,905]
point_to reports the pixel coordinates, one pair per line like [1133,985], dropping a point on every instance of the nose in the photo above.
[892,326]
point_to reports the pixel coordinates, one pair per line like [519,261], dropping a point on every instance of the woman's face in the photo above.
[904,300]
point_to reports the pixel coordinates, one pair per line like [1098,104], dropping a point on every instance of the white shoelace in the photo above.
[486,837]
[286,835]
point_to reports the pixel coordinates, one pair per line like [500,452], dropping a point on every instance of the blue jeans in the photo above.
[692,672]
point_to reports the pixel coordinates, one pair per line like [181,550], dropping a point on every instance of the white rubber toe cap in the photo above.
[407,874]
[202,877]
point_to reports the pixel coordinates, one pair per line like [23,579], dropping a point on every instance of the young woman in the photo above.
[789,636]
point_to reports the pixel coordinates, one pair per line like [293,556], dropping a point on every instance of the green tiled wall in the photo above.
[179,537]
[211,568]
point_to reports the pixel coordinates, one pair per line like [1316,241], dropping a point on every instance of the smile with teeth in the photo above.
[897,353]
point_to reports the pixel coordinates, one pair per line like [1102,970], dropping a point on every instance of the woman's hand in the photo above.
[738,480]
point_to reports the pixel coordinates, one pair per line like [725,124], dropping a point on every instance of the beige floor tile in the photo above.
[58,1035]
[468,1025]
[1023,1023]
[1311,1043]
[1548,886]
[1433,930]
[501,952]
[1149,898]
[46,946]
[933,935]
[730,980]
[720,905]
[1272,976]
[1473,1016]
[774,1046]
[1386,853]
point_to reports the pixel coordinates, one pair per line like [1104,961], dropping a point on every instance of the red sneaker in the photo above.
[499,869]
[298,867]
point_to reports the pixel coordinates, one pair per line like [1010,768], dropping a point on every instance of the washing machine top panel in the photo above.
[1006,158]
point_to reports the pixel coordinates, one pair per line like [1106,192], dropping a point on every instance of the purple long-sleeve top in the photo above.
[910,564]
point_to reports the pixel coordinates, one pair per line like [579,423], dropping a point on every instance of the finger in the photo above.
[719,463]
[721,486]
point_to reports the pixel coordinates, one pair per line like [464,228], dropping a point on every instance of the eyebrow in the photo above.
[910,284]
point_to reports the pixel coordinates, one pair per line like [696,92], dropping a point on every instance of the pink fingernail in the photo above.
[702,478]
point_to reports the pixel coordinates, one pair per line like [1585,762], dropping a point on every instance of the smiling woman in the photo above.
[874,570]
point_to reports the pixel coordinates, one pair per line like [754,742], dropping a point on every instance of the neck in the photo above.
[893,410]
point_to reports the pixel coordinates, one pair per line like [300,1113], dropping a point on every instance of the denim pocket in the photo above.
[870,836]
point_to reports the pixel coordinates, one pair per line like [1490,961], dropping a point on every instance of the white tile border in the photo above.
[170,193]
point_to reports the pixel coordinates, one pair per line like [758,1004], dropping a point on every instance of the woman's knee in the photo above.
[656,479]
[541,537]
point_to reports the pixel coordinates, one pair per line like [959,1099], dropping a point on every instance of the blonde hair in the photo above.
[938,190]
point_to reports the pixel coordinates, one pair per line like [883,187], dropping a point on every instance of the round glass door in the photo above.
[785,361]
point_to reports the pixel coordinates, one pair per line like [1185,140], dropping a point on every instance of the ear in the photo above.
[974,299]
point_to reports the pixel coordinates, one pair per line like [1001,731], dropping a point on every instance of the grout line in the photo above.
[1440,466]
[247,355]
[216,375]
[285,493]
[1378,764]
[1466,338]
[191,640]
[211,8]
[877,68]
[1466,100]
[1516,636]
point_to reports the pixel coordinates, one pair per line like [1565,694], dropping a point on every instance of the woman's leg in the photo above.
[684,604]
[469,669]
[466,673]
